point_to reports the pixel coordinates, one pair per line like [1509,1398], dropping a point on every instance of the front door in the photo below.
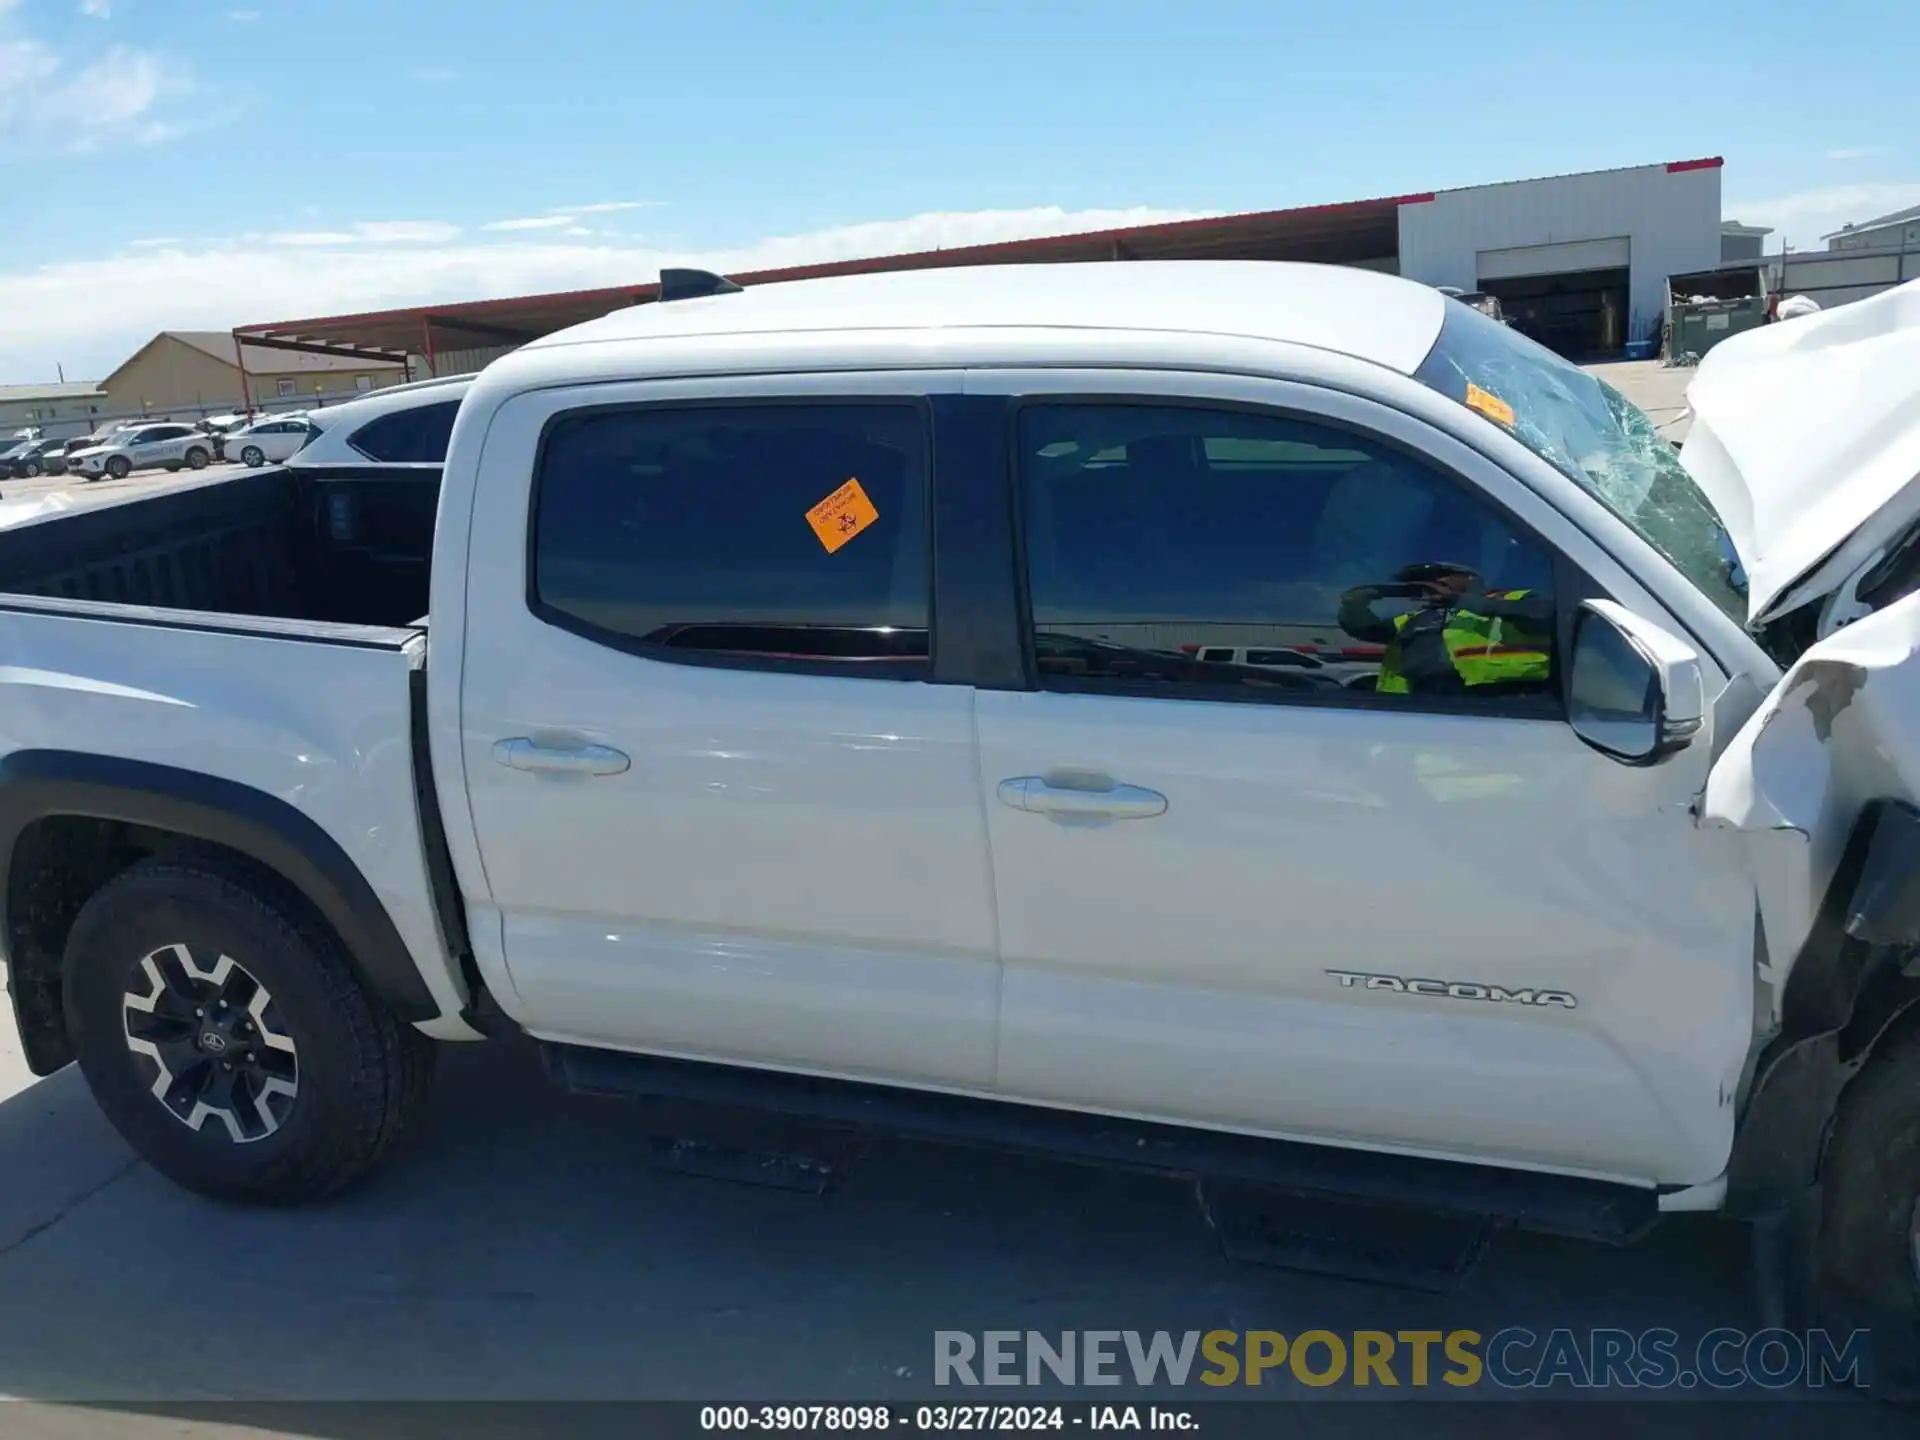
[721,809]
[1389,899]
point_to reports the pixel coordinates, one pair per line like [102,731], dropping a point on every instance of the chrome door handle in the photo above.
[1118,802]
[521,753]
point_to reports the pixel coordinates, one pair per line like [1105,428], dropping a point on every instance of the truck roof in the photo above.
[1361,313]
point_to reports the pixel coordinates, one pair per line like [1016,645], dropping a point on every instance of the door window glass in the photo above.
[1230,554]
[772,534]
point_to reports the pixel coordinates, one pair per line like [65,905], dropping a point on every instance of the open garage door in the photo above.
[1571,297]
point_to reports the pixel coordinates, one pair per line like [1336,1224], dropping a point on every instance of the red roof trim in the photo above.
[960,255]
[1711,162]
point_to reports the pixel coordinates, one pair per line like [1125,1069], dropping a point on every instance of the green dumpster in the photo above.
[1699,325]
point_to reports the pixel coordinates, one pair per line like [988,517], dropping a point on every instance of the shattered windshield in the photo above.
[1592,434]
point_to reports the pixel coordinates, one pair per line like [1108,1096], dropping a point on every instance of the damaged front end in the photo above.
[1806,441]
[1823,784]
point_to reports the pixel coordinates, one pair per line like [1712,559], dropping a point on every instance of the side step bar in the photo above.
[1551,1204]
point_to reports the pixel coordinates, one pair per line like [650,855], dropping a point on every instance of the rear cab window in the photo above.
[768,535]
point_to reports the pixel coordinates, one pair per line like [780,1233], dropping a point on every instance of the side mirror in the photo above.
[1634,691]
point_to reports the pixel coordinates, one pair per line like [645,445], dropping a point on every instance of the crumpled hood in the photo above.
[1806,438]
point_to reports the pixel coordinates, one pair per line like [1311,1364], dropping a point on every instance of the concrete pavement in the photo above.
[527,1246]
[1659,391]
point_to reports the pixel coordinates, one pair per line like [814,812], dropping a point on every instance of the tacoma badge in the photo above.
[1454,989]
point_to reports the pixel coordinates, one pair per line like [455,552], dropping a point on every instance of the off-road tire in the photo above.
[363,1075]
[1869,1256]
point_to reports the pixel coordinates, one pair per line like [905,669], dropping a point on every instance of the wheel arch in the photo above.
[1854,987]
[125,797]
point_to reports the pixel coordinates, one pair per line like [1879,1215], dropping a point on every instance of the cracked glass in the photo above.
[1594,436]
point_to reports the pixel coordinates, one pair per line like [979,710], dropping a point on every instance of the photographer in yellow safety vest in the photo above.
[1461,637]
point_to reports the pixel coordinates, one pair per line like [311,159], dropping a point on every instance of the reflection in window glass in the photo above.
[689,530]
[1611,679]
[1175,546]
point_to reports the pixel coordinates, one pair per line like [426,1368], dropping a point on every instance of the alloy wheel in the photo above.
[213,1037]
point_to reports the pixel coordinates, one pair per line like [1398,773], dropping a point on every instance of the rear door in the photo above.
[1422,915]
[159,445]
[281,438]
[724,805]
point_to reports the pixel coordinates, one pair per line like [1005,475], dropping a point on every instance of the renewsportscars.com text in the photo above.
[1513,1358]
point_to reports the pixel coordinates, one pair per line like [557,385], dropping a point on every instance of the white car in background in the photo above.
[401,425]
[272,440]
[166,446]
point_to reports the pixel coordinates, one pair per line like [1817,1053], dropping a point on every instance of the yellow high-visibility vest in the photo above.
[1485,649]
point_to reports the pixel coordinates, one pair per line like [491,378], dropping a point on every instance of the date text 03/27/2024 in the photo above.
[941,1419]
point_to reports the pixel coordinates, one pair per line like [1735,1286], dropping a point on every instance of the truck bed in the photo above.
[337,547]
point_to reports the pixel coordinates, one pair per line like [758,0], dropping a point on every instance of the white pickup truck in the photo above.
[804,707]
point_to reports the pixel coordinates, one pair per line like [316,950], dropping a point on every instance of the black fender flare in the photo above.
[41,784]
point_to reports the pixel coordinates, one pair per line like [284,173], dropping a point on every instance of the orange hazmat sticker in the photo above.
[842,515]
[1489,405]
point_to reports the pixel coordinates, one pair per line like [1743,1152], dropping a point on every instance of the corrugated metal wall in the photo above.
[1834,277]
[1671,220]
[458,362]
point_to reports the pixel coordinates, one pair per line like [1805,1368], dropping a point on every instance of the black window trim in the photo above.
[915,669]
[1571,583]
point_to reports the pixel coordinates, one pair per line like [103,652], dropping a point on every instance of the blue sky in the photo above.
[201,163]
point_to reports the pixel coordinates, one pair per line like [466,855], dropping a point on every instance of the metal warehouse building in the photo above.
[1580,262]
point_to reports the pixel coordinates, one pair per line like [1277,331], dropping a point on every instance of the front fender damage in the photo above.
[1823,786]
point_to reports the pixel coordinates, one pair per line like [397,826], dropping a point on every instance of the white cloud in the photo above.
[367,232]
[607,207]
[313,237]
[581,230]
[406,232]
[1802,217]
[157,242]
[1854,152]
[93,313]
[54,100]
[531,222]
[99,9]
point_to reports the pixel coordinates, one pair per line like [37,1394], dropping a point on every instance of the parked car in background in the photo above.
[28,462]
[9,449]
[54,461]
[1350,672]
[269,441]
[218,427]
[147,447]
[400,425]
